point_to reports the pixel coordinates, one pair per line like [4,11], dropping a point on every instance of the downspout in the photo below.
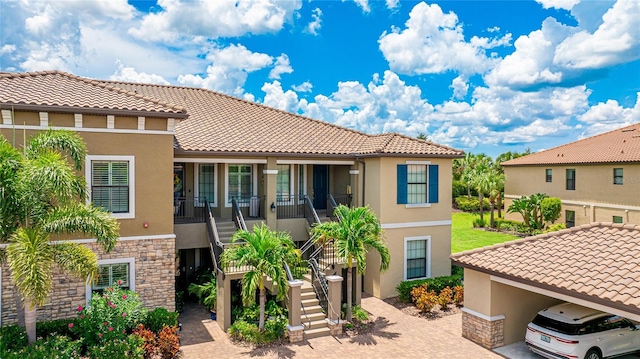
[364,174]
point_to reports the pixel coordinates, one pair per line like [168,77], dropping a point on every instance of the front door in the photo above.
[320,186]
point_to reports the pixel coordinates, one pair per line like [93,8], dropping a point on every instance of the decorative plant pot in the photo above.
[213,316]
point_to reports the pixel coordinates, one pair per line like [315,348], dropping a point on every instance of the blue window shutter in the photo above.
[402,184]
[433,184]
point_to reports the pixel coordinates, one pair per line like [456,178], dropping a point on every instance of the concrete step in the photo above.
[312,317]
[308,295]
[316,324]
[306,278]
[309,302]
[312,309]
[315,333]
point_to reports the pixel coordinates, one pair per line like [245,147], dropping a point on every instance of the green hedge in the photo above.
[471,204]
[436,284]
[509,225]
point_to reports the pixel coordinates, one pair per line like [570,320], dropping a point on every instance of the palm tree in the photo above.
[481,179]
[265,251]
[357,231]
[46,197]
[495,188]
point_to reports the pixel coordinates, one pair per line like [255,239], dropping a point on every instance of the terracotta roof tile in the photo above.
[597,261]
[617,146]
[55,88]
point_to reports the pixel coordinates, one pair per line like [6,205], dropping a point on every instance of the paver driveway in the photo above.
[398,336]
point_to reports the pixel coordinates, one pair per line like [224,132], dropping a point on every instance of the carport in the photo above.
[595,265]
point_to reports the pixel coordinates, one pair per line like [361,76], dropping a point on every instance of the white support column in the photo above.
[77,118]
[6,117]
[141,123]
[44,119]
[111,121]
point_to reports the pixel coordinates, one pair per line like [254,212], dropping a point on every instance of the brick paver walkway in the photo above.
[397,336]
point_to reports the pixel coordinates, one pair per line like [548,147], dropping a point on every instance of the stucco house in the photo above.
[202,164]
[597,178]
[594,265]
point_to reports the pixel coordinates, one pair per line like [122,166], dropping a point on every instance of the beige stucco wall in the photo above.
[595,198]
[477,288]
[191,235]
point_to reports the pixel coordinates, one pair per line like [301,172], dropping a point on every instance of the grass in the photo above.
[465,237]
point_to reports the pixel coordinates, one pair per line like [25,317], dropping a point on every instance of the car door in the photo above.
[618,336]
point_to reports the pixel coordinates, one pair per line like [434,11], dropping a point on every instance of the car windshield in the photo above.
[557,326]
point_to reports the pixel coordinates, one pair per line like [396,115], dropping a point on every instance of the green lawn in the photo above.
[465,237]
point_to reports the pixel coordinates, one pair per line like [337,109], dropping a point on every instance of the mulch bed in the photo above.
[410,309]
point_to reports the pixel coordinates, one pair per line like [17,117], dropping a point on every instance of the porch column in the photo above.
[270,188]
[294,303]
[223,304]
[354,173]
[335,304]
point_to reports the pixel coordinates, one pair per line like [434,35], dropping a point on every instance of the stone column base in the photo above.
[296,334]
[483,330]
[335,327]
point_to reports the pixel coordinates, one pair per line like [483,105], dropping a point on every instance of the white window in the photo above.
[207,183]
[417,257]
[416,184]
[110,271]
[283,183]
[241,182]
[112,184]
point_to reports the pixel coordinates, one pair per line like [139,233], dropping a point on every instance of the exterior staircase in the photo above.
[312,317]
[226,229]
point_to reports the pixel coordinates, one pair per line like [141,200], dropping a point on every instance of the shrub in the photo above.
[12,339]
[423,298]
[436,284]
[444,298]
[479,223]
[507,225]
[160,317]
[59,326]
[359,314]
[150,342]
[274,328]
[129,347]
[60,345]
[555,227]
[551,208]
[471,204]
[458,295]
[168,342]
[179,301]
[109,316]
[458,189]
[243,331]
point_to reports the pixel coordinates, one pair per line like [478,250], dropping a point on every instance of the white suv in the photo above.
[570,331]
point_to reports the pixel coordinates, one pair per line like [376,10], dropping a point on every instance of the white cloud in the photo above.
[228,70]
[180,19]
[276,97]
[617,40]
[364,5]
[392,4]
[606,115]
[316,24]
[460,87]
[558,4]
[129,74]
[303,87]
[282,66]
[433,42]
[7,49]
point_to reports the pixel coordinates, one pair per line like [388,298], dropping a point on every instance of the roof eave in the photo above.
[92,110]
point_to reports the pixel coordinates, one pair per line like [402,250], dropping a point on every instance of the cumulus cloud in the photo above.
[7,49]
[433,42]
[282,66]
[228,70]
[276,97]
[129,74]
[603,116]
[316,24]
[364,5]
[180,19]
[392,4]
[558,4]
[303,87]
[460,87]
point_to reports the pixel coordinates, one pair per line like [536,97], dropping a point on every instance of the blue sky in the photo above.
[482,76]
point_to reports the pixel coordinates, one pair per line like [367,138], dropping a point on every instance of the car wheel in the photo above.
[593,354]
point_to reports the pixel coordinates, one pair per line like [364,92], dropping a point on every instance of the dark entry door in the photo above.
[320,186]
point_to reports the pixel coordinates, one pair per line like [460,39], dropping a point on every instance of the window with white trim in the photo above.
[417,183]
[111,272]
[283,182]
[240,182]
[207,182]
[111,181]
[416,257]
[618,176]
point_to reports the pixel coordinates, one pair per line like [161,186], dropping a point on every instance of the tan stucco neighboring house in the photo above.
[595,265]
[597,178]
[244,160]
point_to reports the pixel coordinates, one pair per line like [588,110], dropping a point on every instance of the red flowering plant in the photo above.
[110,315]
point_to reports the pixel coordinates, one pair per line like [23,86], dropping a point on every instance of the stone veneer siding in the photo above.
[154,281]
[487,333]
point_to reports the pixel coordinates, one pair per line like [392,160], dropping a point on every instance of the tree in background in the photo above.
[43,196]
[551,207]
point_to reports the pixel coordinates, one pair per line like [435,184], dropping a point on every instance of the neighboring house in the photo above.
[250,164]
[595,265]
[597,178]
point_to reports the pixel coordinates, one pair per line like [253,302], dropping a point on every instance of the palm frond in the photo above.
[76,259]
[30,259]
[74,218]
[62,141]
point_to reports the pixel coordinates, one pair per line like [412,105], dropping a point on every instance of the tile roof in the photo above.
[621,145]
[599,262]
[60,89]
[221,123]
